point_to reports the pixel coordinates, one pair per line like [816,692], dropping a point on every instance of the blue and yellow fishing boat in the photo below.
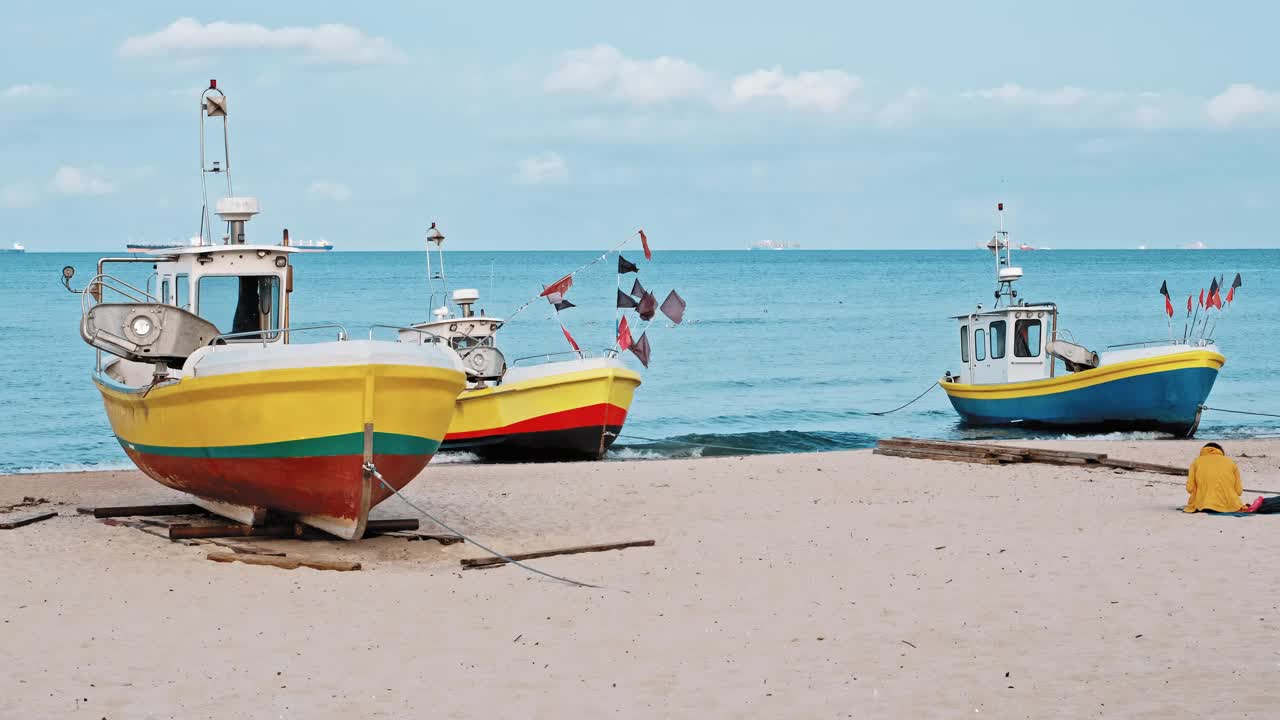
[1016,369]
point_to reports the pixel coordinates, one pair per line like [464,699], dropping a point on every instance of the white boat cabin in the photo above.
[1007,344]
[242,289]
[473,336]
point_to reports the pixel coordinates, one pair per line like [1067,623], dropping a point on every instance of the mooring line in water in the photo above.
[1239,412]
[699,444]
[926,392]
[369,468]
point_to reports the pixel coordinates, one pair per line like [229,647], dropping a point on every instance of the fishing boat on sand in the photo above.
[1009,376]
[211,391]
[557,406]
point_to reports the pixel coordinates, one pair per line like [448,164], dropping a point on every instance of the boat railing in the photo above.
[102,284]
[268,336]
[1145,343]
[424,336]
[547,357]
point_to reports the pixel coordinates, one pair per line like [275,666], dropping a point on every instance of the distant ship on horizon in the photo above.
[302,245]
[773,245]
[16,248]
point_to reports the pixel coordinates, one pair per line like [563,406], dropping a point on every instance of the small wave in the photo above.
[65,468]
[751,443]
[621,452]
[459,457]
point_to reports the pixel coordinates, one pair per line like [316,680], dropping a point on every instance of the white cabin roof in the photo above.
[203,249]
[1038,307]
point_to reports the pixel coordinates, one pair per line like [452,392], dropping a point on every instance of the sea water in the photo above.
[779,351]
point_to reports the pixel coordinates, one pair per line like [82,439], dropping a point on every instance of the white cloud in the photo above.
[1242,102]
[543,168]
[31,92]
[902,110]
[824,91]
[604,70]
[18,195]
[329,190]
[69,180]
[1014,94]
[322,44]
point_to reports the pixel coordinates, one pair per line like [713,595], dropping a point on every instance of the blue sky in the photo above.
[711,124]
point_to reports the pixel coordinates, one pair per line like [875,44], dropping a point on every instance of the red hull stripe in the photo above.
[588,416]
[329,485]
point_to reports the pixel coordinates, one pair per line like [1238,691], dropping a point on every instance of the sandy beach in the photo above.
[824,585]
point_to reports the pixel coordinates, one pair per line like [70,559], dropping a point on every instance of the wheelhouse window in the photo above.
[964,343]
[164,291]
[180,292]
[997,339]
[979,344]
[1026,338]
[241,304]
[465,342]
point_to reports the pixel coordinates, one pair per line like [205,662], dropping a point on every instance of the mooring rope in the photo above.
[369,468]
[1239,412]
[926,392]
[700,444]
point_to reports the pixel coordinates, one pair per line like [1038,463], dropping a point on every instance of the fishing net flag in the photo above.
[637,290]
[624,334]
[560,286]
[626,266]
[1168,304]
[625,301]
[647,307]
[673,307]
[1214,299]
[641,349]
[1190,298]
[1231,294]
[648,255]
[572,343]
[1201,302]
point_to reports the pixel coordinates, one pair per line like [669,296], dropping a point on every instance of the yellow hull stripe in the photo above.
[508,404]
[272,406]
[1086,378]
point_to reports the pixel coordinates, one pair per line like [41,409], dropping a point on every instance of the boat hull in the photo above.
[288,440]
[1162,394]
[573,415]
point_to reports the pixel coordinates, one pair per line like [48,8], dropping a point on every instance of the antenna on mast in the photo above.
[213,105]
[1006,273]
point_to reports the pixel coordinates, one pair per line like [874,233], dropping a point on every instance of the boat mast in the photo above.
[435,236]
[213,106]
[1006,272]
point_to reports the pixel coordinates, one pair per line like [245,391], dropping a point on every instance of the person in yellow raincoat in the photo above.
[1213,482]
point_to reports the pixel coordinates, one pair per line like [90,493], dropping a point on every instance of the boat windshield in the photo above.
[241,304]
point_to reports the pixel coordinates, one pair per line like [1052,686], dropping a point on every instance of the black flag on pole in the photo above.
[637,290]
[625,301]
[648,306]
[626,266]
[641,349]
[673,307]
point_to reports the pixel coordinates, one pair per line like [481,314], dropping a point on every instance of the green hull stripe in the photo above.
[348,444]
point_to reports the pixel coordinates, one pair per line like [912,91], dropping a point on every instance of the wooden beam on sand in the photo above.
[1072,457]
[19,522]
[293,530]
[1137,466]
[469,563]
[143,510]
[287,563]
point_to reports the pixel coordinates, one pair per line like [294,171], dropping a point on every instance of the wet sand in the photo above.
[826,585]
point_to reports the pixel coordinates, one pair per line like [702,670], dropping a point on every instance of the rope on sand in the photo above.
[369,468]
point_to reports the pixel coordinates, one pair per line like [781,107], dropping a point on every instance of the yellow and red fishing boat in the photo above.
[557,406]
[211,391]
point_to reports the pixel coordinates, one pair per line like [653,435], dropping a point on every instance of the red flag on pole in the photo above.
[1168,306]
[569,337]
[1201,297]
[644,242]
[624,334]
[560,286]
[1189,298]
